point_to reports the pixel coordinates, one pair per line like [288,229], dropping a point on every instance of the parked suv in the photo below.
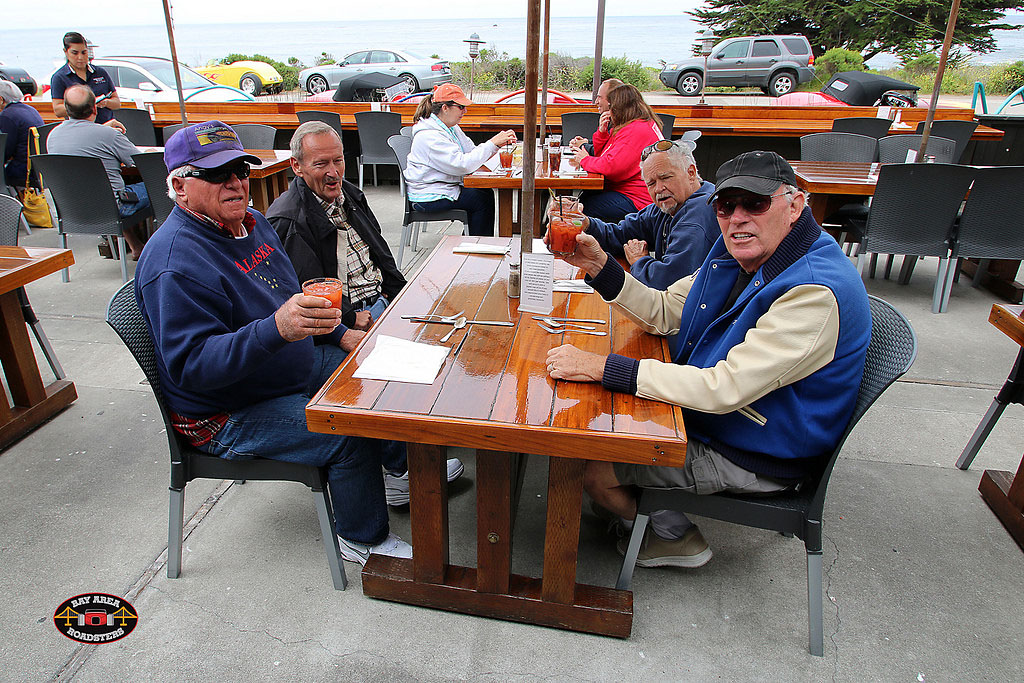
[776,64]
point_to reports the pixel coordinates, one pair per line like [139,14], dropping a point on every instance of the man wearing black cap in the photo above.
[233,336]
[773,331]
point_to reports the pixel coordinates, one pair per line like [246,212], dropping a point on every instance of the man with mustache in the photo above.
[667,240]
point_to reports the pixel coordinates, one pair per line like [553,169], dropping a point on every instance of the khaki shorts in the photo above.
[706,471]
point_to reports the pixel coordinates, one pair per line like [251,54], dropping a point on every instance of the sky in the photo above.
[64,14]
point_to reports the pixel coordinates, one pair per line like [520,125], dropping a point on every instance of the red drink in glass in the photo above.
[329,288]
[505,158]
[563,231]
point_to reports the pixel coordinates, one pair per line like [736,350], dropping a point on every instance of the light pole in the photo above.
[706,42]
[474,52]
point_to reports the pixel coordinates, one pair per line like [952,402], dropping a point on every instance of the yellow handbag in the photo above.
[37,211]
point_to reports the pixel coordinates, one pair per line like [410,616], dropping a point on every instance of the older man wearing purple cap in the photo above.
[233,337]
[773,329]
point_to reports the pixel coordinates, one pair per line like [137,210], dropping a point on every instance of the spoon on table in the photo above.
[459,324]
[568,329]
[551,322]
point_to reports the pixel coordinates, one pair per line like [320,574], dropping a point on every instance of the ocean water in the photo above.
[643,39]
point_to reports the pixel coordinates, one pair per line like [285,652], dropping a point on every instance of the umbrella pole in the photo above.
[544,70]
[528,218]
[174,61]
[954,10]
[598,45]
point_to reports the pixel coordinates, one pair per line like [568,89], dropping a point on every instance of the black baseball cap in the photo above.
[758,172]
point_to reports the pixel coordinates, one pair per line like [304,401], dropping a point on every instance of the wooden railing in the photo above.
[724,120]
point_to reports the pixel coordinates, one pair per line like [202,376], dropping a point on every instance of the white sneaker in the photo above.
[396,488]
[392,546]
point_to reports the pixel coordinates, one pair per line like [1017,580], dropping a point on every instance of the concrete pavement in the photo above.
[922,581]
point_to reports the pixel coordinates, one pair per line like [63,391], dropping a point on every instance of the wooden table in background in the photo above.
[266,181]
[833,184]
[509,187]
[33,403]
[1003,491]
[494,394]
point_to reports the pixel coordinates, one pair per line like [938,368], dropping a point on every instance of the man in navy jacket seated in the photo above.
[234,337]
[773,329]
[667,240]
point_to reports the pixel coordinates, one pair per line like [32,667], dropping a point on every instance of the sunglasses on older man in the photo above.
[753,204]
[659,146]
[219,175]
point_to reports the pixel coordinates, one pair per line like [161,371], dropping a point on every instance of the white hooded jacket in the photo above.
[439,158]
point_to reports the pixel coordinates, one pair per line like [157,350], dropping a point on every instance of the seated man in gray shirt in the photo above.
[82,136]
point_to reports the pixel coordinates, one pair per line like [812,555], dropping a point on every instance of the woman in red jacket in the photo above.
[618,142]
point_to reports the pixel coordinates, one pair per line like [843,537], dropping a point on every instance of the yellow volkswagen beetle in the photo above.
[253,78]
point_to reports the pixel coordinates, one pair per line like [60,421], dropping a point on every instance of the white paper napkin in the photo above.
[474,248]
[576,286]
[401,360]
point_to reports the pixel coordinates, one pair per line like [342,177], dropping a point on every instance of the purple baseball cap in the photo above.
[205,145]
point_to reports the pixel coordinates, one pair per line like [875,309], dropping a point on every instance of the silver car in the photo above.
[775,64]
[421,73]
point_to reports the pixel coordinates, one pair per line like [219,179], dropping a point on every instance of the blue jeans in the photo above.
[610,207]
[276,429]
[125,209]
[475,201]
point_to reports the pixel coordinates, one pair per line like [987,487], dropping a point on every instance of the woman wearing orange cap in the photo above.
[442,154]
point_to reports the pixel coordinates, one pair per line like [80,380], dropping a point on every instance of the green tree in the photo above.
[866,26]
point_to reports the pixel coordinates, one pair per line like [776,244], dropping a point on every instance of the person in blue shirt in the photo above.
[667,240]
[78,71]
[234,338]
[16,118]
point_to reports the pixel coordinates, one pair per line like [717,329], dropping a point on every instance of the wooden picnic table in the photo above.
[1001,490]
[33,402]
[509,185]
[494,394]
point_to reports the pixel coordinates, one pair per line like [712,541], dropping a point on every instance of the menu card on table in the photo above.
[537,280]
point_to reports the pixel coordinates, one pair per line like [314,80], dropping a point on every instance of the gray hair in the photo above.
[679,155]
[309,128]
[9,92]
[793,191]
[177,173]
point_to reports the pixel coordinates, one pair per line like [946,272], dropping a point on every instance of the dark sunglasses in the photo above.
[219,175]
[462,107]
[753,204]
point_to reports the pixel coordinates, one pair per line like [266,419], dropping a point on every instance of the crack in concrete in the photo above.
[828,596]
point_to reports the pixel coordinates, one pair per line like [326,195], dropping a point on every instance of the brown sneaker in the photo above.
[690,551]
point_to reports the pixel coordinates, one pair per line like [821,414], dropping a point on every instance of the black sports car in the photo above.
[20,78]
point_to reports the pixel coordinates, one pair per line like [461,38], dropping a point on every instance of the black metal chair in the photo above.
[154,175]
[959,132]
[255,135]
[374,128]
[668,122]
[139,126]
[85,201]
[401,146]
[862,125]
[43,132]
[890,354]
[844,147]
[188,463]
[10,219]
[893,149]
[990,225]
[912,213]
[333,119]
[170,130]
[579,123]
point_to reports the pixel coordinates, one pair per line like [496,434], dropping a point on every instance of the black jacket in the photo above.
[311,241]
